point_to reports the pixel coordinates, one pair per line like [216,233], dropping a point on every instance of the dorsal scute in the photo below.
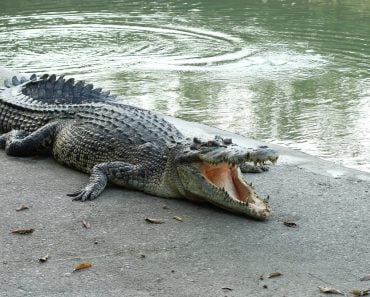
[53,89]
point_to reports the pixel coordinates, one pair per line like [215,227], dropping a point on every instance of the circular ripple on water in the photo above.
[86,43]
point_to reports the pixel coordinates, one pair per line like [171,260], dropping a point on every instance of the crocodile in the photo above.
[92,131]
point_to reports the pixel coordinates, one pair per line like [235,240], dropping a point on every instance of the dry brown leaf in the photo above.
[44,258]
[23,231]
[86,224]
[360,292]
[153,221]
[22,207]
[274,274]
[365,278]
[290,224]
[82,265]
[180,219]
[329,290]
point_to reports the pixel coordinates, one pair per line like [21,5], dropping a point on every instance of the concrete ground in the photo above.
[210,253]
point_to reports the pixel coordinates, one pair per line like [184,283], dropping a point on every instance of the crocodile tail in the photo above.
[56,90]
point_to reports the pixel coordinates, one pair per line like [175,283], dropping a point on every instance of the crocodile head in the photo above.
[209,171]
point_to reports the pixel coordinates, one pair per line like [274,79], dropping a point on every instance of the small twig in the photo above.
[320,279]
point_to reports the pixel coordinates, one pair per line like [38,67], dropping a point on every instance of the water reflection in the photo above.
[291,72]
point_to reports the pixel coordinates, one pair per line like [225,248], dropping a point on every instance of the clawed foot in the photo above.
[249,168]
[263,154]
[98,181]
[90,192]
[259,157]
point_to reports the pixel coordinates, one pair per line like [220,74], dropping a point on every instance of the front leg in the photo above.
[259,157]
[251,168]
[121,173]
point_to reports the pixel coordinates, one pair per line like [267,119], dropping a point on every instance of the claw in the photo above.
[80,195]
[74,193]
[88,193]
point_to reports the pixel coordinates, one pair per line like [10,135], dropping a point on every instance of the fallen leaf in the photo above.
[365,278]
[22,207]
[329,290]
[274,274]
[360,292]
[153,221]
[180,219]
[86,224]
[290,224]
[23,231]
[44,259]
[82,265]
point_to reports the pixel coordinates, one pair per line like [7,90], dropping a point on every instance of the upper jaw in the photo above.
[223,150]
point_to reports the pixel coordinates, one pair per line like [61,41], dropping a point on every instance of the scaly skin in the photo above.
[91,131]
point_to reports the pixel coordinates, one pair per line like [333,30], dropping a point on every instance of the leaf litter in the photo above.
[274,274]
[82,265]
[329,290]
[23,231]
[360,292]
[177,218]
[153,221]
[86,224]
[44,259]
[22,207]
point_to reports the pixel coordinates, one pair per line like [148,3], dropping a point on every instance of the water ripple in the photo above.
[71,41]
[291,74]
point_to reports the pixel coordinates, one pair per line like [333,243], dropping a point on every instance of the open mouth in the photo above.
[228,179]
[225,176]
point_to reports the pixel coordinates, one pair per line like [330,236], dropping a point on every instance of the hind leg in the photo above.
[22,143]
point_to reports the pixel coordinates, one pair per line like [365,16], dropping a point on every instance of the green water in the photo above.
[295,73]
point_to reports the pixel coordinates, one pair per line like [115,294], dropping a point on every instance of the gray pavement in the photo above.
[209,253]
